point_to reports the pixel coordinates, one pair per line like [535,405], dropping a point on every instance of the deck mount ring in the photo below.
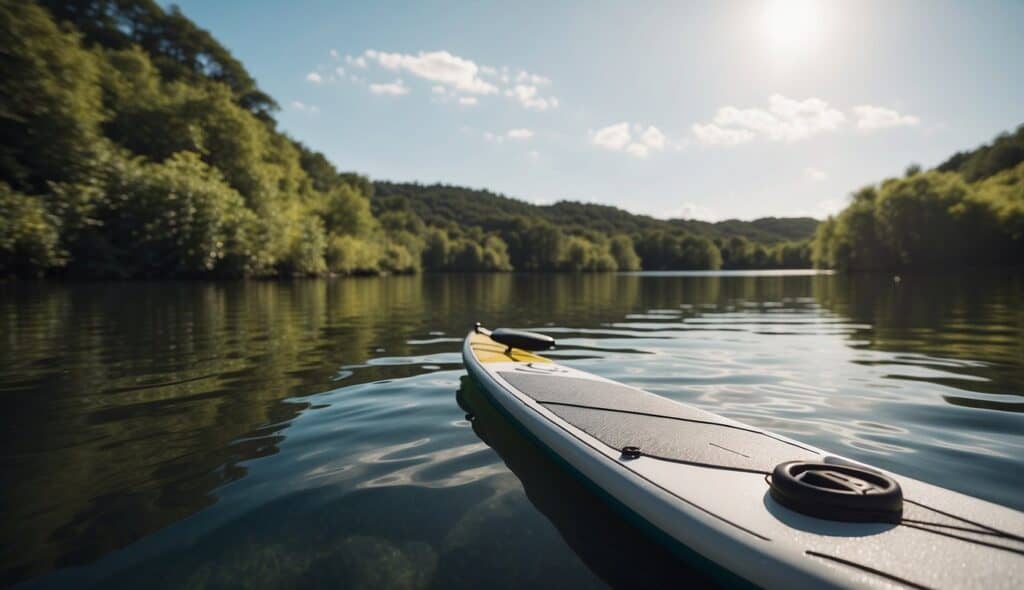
[837,492]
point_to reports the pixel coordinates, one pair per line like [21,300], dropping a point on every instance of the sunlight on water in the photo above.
[307,433]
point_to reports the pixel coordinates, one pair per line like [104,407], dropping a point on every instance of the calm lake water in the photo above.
[313,433]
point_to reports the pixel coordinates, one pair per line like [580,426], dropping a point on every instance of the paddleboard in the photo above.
[746,506]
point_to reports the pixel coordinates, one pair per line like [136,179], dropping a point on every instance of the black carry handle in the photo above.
[522,339]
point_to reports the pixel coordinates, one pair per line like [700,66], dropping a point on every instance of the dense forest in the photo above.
[966,213]
[588,236]
[135,145]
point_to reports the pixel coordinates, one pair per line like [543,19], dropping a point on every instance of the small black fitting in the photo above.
[631,453]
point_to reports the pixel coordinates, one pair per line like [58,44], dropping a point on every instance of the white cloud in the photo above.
[534,154]
[436,66]
[524,77]
[314,77]
[454,75]
[396,88]
[815,174]
[785,119]
[303,107]
[613,137]
[870,118]
[340,71]
[521,134]
[529,97]
[334,54]
[620,137]
[653,138]
[714,135]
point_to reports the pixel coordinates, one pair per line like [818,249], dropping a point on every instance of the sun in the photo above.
[791,24]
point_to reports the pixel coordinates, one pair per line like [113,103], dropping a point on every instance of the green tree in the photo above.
[622,251]
[1003,195]
[736,253]
[29,235]
[346,212]
[437,249]
[664,251]
[916,223]
[172,218]
[305,255]
[496,256]
[856,243]
[398,258]
[542,247]
[350,255]
[583,255]
[928,220]
[181,50]
[50,102]
[791,254]
[467,255]
[1004,153]
[699,253]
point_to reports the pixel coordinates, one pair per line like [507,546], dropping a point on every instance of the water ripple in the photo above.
[313,425]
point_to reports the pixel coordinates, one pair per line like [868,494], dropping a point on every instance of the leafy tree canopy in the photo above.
[968,212]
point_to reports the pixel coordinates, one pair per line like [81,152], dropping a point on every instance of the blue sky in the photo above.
[698,109]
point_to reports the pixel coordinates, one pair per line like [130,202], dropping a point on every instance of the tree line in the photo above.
[439,204]
[966,213]
[573,236]
[512,235]
[133,144]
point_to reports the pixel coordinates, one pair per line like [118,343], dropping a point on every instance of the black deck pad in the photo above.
[600,394]
[620,416]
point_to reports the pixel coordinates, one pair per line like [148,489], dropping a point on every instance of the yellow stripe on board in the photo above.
[489,351]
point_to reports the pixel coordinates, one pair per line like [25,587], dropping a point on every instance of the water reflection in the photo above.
[620,554]
[964,332]
[129,407]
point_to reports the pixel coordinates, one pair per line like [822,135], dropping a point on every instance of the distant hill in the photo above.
[443,205]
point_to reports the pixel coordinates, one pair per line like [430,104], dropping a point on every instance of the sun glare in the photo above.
[791,24]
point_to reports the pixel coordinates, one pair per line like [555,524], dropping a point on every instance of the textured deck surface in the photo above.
[621,416]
